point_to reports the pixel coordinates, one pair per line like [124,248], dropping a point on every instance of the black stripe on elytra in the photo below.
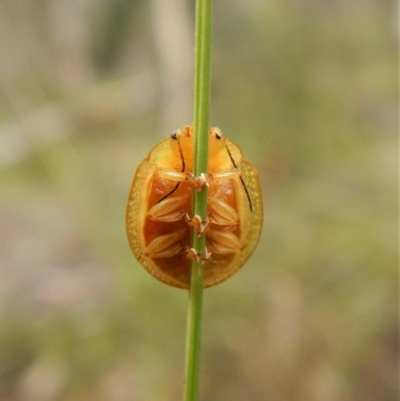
[241,178]
[173,136]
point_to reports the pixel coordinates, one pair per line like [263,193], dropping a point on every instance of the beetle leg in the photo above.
[223,242]
[199,225]
[203,180]
[165,246]
[168,210]
[192,254]
[226,174]
[223,213]
[219,249]
[208,256]
[172,175]
[200,182]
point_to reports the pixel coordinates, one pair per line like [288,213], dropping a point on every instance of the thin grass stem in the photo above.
[201,122]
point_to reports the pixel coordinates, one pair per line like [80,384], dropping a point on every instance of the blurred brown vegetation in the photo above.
[309,91]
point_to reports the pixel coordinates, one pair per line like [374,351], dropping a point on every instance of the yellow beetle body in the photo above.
[161,197]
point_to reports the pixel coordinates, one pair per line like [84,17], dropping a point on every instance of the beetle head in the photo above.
[182,142]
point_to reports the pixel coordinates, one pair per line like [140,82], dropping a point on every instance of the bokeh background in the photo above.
[308,89]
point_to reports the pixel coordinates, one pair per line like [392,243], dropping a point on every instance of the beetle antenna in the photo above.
[241,178]
[178,183]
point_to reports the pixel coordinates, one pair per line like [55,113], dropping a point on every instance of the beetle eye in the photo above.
[218,133]
[174,134]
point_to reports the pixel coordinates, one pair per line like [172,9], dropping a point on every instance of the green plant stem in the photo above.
[200,162]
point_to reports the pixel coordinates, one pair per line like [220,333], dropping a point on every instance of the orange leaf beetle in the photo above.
[159,206]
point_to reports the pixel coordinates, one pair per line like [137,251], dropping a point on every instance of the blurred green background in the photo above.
[308,89]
